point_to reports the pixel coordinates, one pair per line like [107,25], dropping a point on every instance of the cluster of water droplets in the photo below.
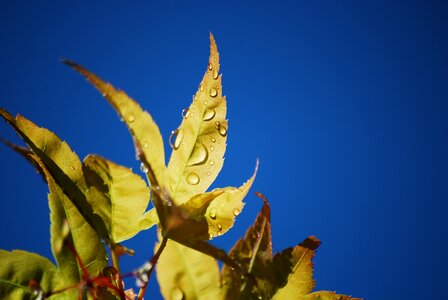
[200,153]
[141,274]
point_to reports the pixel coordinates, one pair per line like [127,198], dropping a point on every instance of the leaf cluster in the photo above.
[96,204]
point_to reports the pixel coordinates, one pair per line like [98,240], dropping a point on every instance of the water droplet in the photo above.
[185,113]
[215,74]
[260,298]
[213,140]
[131,118]
[199,155]
[179,134]
[219,227]
[222,130]
[209,114]
[177,294]
[210,66]
[193,178]
[209,173]
[213,213]
[72,168]
[145,145]
[236,212]
[212,148]
[143,168]
[213,92]
[201,88]
[211,163]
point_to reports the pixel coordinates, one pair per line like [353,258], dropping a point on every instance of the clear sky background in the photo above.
[343,102]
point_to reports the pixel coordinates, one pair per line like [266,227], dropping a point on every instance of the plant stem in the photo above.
[116,265]
[153,263]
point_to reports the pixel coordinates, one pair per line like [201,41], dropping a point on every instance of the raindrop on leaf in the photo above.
[193,178]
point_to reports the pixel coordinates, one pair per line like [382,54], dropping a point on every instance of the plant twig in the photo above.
[116,265]
[152,264]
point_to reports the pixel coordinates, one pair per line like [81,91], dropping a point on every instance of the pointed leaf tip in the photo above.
[311,243]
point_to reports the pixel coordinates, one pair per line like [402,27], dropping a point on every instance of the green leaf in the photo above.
[200,143]
[68,227]
[184,273]
[144,130]
[325,295]
[254,254]
[62,170]
[120,197]
[23,275]
[61,162]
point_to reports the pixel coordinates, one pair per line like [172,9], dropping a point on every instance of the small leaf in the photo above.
[121,196]
[184,273]
[24,275]
[207,215]
[144,130]
[297,262]
[200,143]
[223,209]
[325,295]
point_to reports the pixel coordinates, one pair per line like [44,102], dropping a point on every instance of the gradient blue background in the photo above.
[343,102]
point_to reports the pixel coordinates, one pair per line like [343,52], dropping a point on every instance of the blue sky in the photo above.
[343,102]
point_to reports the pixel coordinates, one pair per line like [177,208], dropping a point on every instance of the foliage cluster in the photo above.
[96,204]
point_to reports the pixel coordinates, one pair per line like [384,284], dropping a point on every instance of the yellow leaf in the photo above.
[184,273]
[62,164]
[121,197]
[223,209]
[300,281]
[144,130]
[200,142]
[325,295]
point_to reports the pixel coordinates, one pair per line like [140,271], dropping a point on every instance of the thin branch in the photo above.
[116,265]
[152,264]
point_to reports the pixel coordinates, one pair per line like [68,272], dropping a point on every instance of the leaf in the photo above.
[69,227]
[184,273]
[325,295]
[121,197]
[297,262]
[144,130]
[61,162]
[254,254]
[62,168]
[207,215]
[200,143]
[24,274]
